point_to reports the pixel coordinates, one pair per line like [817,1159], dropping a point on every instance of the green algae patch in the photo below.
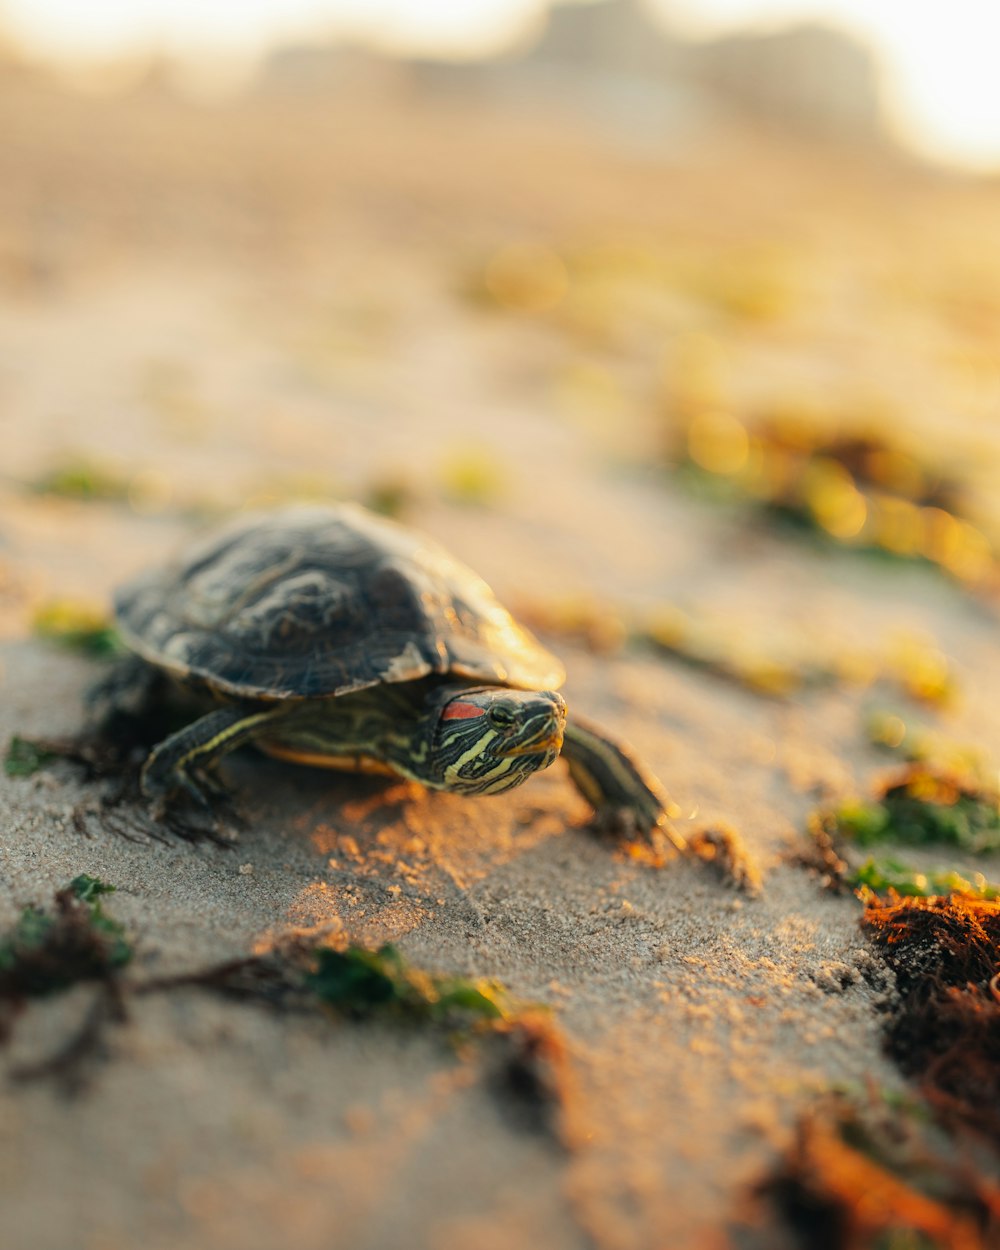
[50,950]
[83,477]
[883,875]
[79,627]
[25,758]
[358,982]
[923,804]
[362,982]
[89,889]
[942,797]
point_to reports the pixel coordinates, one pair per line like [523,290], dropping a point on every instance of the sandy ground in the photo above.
[236,306]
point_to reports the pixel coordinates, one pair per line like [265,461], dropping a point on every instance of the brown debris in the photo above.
[69,1062]
[71,949]
[723,848]
[531,1077]
[822,858]
[855,1180]
[45,955]
[256,978]
[946,1031]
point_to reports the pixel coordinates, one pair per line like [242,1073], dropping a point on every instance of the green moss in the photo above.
[82,477]
[77,626]
[924,804]
[864,823]
[882,875]
[362,982]
[483,998]
[357,980]
[89,890]
[24,758]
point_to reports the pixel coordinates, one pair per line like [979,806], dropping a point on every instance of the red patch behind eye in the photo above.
[457,710]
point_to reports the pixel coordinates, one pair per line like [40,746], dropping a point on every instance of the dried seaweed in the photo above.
[48,952]
[852,487]
[945,1032]
[69,1061]
[822,856]
[356,982]
[531,1072]
[259,978]
[872,1176]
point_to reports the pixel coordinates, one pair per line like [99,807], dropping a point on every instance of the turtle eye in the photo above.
[501,717]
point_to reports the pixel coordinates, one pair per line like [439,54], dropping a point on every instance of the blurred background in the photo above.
[579,277]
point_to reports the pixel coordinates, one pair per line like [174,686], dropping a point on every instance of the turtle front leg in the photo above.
[184,762]
[622,791]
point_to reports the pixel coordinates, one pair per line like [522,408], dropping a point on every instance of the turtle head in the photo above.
[488,739]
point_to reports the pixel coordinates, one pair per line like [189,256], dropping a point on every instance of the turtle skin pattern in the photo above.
[313,602]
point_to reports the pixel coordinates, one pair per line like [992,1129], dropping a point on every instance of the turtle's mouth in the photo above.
[542,745]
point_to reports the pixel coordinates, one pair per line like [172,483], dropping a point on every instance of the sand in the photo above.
[222,335]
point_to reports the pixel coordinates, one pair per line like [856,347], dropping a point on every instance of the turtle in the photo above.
[330,636]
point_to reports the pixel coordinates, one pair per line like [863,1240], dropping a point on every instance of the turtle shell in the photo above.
[312,602]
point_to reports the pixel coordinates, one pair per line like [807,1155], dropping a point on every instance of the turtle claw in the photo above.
[180,781]
[197,831]
[629,825]
[189,813]
[214,788]
[189,823]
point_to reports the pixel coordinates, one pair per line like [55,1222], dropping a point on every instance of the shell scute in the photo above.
[315,602]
